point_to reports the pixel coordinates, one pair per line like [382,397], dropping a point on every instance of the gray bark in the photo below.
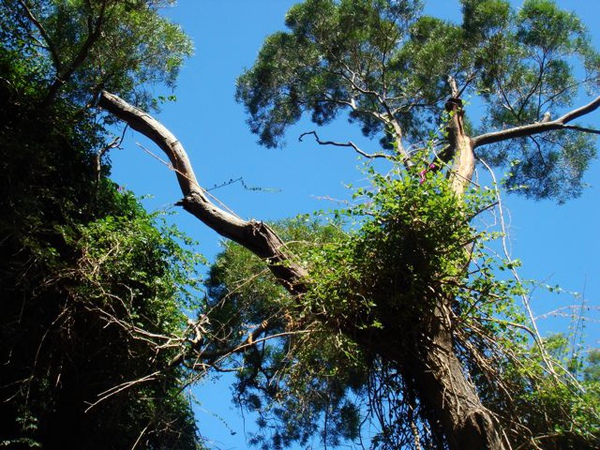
[256,236]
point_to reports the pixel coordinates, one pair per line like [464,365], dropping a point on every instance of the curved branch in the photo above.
[540,127]
[344,144]
[256,236]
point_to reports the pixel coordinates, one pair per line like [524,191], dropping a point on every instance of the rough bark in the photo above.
[436,371]
[443,387]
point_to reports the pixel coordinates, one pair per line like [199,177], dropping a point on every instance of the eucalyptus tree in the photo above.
[409,294]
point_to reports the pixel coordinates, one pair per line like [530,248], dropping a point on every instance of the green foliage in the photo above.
[592,371]
[414,258]
[386,65]
[535,63]
[85,274]
[79,47]
[91,312]
[560,410]
[300,375]
[411,243]
[556,174]
[408,244]
[310,69]
[93,288]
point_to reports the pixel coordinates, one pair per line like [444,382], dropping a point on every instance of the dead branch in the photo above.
[344,144]
[256,236]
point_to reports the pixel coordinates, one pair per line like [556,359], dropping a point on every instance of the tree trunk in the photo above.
[443,388]
[433,366]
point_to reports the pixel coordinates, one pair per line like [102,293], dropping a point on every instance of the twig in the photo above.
[526,301]
[187,177]
[121,387]
[115,143]
[345,144]
[536,334]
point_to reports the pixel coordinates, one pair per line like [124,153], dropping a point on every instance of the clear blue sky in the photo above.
[557,244]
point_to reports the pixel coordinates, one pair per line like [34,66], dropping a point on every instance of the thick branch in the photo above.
[431,364]
[257,237]
[540,127]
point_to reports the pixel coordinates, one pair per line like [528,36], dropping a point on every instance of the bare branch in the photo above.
[540,127]
[387,118]
[256,236]
[344,144]
[579,112]
[582,129]
[121,387]
[252,338]
[115,143]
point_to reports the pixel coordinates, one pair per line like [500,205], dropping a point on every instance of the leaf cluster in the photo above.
[386,65]
[78,48]
[93,288]
[557,405]
[92,300]
[407,245]
[298,374]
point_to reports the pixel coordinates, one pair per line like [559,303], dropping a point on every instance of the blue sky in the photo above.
[557,244]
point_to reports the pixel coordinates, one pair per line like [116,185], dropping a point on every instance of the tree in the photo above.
[420,298]
[92,292]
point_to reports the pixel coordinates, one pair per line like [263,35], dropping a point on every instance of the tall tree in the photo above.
[410,289]
[92,292]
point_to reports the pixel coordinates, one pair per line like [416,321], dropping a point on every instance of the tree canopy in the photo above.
[394,322]
[93,287]
[399,315]
[410,79]
[387,65]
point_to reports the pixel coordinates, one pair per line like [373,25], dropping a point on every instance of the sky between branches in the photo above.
[558,245]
